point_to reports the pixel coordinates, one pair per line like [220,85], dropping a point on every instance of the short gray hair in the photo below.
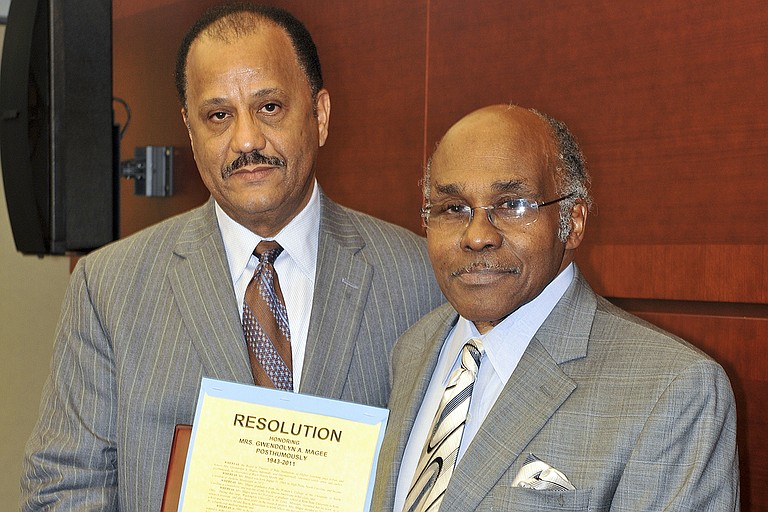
[572,172]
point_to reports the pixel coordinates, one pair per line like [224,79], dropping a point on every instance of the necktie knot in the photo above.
[470,358]
[267,251]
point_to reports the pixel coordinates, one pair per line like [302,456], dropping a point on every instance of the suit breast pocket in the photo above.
[529,500]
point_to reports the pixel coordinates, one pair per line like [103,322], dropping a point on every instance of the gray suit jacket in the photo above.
[637,419]
[146,317]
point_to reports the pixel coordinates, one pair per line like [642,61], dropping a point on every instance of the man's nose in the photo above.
[480,234]
[248,135]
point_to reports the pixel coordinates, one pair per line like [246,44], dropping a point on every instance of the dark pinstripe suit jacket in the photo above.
[637,419]
[146,317]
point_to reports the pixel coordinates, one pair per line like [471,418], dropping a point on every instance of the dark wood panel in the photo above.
[144,47]
[739,345]
[373,56]
[719,273]
[667,98]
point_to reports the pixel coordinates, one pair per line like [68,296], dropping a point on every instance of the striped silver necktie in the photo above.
[442,448]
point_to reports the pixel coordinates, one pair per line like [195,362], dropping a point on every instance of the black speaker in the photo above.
[57,140]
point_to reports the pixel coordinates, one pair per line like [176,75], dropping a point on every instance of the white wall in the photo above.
[31,291]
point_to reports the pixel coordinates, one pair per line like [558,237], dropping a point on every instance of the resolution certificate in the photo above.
[254,448]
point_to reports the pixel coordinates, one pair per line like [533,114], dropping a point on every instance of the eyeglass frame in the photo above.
[425,210]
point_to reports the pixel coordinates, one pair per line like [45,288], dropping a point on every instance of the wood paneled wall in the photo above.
[667,98]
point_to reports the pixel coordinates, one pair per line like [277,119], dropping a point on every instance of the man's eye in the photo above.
[270,108]
[218,116]
[511,204]
[453,209]
[513,208]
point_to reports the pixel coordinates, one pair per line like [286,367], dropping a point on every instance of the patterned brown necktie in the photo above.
[265,323]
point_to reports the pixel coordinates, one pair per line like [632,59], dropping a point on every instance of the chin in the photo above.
[481,312]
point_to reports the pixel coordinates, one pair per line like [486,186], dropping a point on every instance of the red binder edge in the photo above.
[176,462]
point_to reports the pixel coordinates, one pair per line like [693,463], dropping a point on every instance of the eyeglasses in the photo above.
[507,214]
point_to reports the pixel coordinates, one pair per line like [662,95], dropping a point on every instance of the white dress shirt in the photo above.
[504,346]
[295,268]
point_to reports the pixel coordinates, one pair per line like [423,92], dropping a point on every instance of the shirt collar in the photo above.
[299,238]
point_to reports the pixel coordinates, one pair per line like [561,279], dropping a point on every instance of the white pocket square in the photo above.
[537,474]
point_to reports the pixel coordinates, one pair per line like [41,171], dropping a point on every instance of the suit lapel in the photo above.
[535,391]
[412,380]
[528,401]
[342,283]
[201,284]
[419,351]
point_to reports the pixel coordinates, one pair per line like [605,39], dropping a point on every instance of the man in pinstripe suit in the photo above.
[576,404]
[145,318]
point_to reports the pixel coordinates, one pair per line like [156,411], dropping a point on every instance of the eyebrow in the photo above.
[516,186]
[450,189]
[263,93]
[213,102]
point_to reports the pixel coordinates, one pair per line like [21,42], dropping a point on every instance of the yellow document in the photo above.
[259,449]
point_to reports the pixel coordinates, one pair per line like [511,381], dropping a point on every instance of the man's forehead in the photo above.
[473,155]
[493,160]
[513,129]
[258,54]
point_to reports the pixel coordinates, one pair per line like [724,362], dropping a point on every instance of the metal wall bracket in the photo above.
[152,170]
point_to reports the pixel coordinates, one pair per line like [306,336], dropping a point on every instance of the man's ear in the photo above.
[185,118]
[323,108]
[579,214]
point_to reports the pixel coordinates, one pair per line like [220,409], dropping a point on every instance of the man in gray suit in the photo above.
[559,400]
[145,318]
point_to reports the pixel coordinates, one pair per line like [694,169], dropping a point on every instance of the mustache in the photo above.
[486,265]
[252,158]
